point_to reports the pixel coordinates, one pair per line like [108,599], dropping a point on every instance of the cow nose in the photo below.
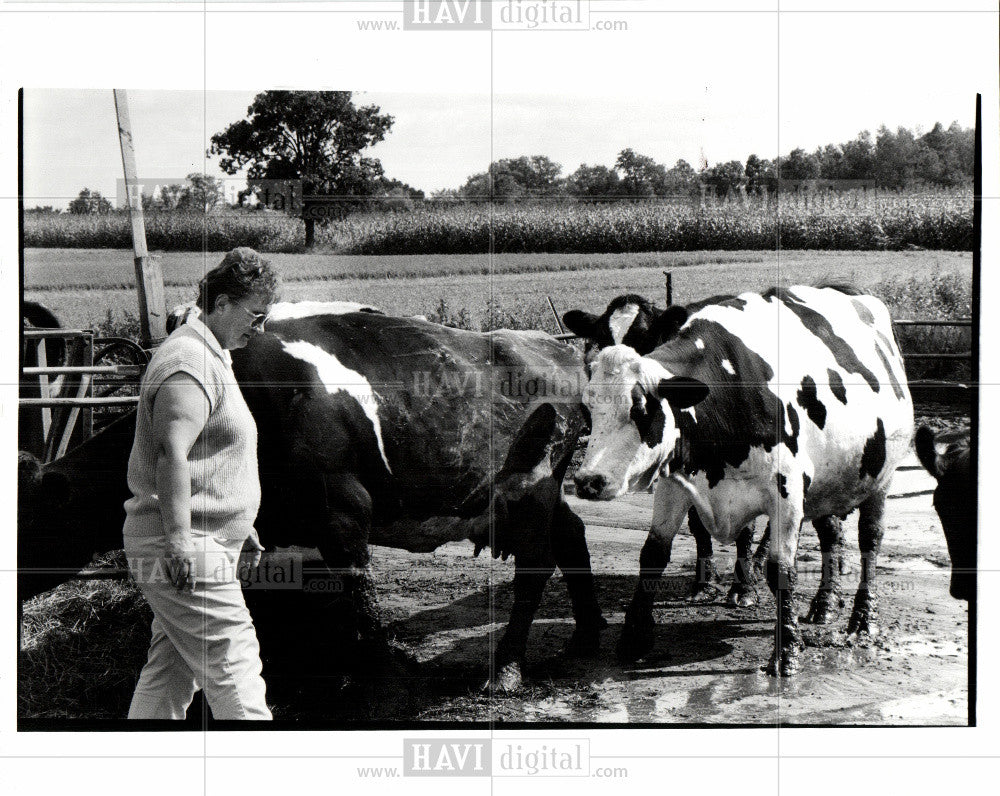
[590,486]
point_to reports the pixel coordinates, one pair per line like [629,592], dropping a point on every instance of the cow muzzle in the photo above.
[593,487]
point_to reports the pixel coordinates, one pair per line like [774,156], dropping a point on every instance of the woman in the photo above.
[196,491]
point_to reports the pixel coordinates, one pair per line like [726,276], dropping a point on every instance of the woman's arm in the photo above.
[180,410]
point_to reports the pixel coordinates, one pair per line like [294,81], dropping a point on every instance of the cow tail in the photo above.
[923,442]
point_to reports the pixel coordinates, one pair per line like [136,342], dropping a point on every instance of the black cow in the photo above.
[634,321]
[376,430]
[947,456]
[70,509]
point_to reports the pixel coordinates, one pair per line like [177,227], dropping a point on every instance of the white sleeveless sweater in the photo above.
[225,485]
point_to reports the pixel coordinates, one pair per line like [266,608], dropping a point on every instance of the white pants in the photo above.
[201,639]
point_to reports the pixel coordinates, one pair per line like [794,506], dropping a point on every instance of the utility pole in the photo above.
[148,276]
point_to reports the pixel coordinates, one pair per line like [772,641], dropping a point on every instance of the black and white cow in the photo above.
[633,321]
[399,432]
[948,457]
[792,404]
[371,430]
[638,323]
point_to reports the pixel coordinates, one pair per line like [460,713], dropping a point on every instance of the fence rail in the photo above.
[950,322]
[97,370]
[123,400]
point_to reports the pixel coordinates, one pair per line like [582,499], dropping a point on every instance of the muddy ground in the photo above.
[706,666]
[443,609]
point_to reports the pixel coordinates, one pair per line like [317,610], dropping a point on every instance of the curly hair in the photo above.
[241,273]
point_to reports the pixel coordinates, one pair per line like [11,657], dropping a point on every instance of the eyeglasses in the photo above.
[259,318]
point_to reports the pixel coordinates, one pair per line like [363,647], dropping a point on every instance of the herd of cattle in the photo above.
[394,431]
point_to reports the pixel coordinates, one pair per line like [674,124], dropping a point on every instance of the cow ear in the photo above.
[55,487]
[531,443]
[682,392]
[669,323]
[563,450]
[581,323]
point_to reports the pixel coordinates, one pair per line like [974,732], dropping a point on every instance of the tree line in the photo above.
[320,139]
[891,160]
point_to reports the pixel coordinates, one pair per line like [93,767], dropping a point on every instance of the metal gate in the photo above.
[77,396]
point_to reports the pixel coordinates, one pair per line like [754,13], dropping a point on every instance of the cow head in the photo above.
[71,508]
[631,401]
[948,458]
[629,320]
[527,489]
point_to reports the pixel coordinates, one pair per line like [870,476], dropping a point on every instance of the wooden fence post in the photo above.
[148,276]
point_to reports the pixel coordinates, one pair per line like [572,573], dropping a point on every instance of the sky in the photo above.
[829,79]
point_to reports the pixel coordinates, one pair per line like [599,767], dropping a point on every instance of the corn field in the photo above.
[855,220]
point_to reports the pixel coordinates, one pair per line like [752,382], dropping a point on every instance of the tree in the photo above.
[947,155]
[859,158]
[593,183]
[896,157]
[90,203]
[831,162]
[313,136]
[537,175]
[679,180]
[171,196]
[397,195]
[800,165]
[726,178]
[204,194]
[759,175]
[641,176]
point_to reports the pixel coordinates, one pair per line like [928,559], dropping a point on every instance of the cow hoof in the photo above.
[635,642]
[506,680]
[862,624]
[863,615]
[759,568]
[784,662]
[586,640]
[704,593]
[742,596]
[824,607]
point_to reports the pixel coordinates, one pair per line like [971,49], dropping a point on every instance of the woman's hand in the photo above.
[180,556]
[250,554]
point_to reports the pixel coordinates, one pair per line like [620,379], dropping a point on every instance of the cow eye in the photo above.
[638,411]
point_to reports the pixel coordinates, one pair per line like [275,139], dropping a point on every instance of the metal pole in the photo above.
[555,314]
[148,276]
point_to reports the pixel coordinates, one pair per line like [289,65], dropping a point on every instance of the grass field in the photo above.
[81,285]
[57,269]
[511,290]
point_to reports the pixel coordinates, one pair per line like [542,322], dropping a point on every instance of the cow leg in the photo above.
[669,507]
[786,523]
[760,557]
[343,543]
[743,592]
[569,546]
[531,572]
[828,601]
[704,588]
[871,527]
